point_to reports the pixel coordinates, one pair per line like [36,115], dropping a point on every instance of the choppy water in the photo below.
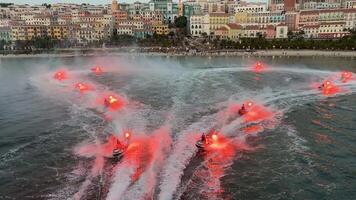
[307,151]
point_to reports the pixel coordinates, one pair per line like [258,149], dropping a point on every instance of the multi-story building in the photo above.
[5,33]
[292,20]
[350,4]
[332,30]
[316,17]
[196,25]
[350,18]
[281,31]
[160,29]
[58,32]
[28,32]
[311,31]
[251,8]
[119,15]
[168,8]
[149,16]
[4,22]
[217,20]
[261,19]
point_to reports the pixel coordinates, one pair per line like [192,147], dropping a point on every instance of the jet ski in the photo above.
[117,154]
[97,70]
[206,140]
[325,85]
[243,110]
[200,144]
[119,148]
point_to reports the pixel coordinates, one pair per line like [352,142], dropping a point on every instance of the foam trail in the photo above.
[160,142]
[122,180]
[182,152]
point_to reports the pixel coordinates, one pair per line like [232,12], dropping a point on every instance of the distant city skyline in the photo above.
[85,1]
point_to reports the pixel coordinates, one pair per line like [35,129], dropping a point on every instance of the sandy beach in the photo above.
[138,52]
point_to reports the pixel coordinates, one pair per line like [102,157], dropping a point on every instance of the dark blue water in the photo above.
[309,153]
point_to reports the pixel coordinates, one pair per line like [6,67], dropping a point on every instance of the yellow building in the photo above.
[27,32]
[235,31]
[221,33]
[229,31]
[217,20]
[114,6]
[58,32]
[241,17]
[160,29]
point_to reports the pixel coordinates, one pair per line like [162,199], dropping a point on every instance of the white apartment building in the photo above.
[196,25]
[251,8]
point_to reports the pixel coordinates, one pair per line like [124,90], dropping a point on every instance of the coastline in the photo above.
[94,52]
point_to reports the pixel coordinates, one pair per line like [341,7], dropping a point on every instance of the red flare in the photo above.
[258,67]
[346,76]
[328,88]
[214,136]
[97,70]
[60,75]
[256,113]
[82,87]
[249,104]
[115,143]
[114,102]
[127,135]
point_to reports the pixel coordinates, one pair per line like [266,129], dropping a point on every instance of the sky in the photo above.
[73,1]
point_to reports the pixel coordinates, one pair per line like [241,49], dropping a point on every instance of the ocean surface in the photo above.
[52,136]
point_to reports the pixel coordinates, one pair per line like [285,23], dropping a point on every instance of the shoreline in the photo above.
[63,53]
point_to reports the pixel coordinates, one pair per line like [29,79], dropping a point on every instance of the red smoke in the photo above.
[346,76]
[97,70]
[253,129]
[82,87]
[329,88]
[60,75]
[258,67]
[256,112]
[112,101]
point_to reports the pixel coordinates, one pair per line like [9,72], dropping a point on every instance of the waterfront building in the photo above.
[217,20]
[58,32]
[251,8]
[311,31]
[120,15]
[28,32]
[168,8]
[261,19]
[270,32]
[281,31]
[148,16]
[332,30]
[253,31]
[196,25]
[5,33]
[350,4]
[221,33]
[5,22]
[160,29]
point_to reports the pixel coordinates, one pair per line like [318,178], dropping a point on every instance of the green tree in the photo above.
[181,22]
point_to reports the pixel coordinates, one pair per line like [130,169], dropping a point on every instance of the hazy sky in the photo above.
[74,1]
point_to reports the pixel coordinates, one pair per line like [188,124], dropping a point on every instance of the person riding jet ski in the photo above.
[206,140]
[118,148]
[242,110]
[202,142]
[324,85]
